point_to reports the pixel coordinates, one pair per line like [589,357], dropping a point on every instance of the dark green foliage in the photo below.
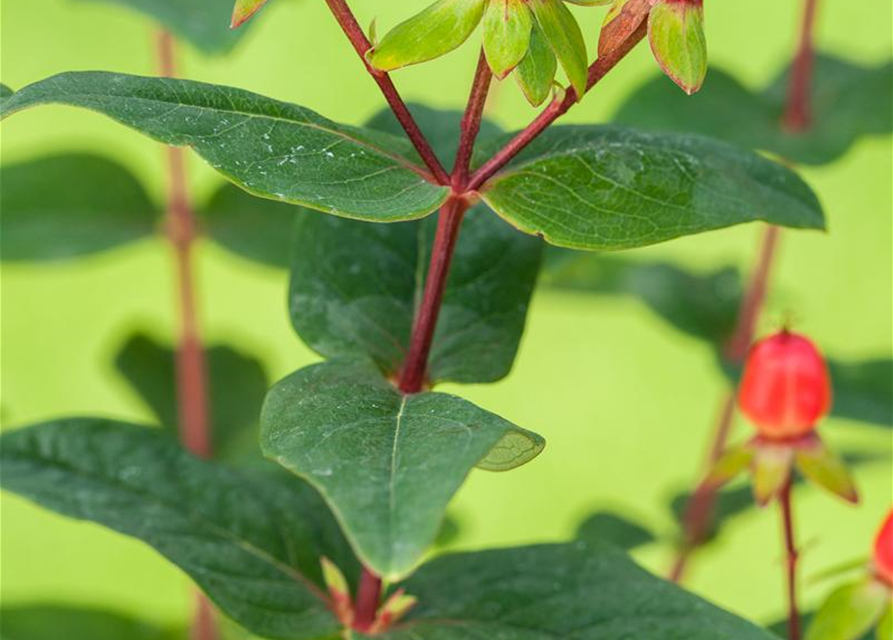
[71,205]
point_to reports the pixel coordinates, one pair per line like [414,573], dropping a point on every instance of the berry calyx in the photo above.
[883,551]
[785,389]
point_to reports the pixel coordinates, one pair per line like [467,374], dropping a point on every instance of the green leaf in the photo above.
[507,25]
[849,101]
[355,287]
[202,23]
[676,33]
[437,30]
[850,612]
[733,461]
[254,228]
[568,591]
[95,204]
[561,31]
[341,311]
[780,628]
[388,464]
[5,92]
[243,10]
[251,541]
[536,72]
[884,629]
[597,187]
[269,148]
[51,622]
[237,385]
[609,527]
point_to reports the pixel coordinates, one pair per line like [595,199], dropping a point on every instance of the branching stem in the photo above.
[191,368]
[361,43]
[557,108]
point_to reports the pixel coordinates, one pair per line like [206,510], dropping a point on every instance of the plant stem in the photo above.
[790,544]
[699,510]
[191,374]
[361,43]
[557,108]
[471,123]
[798,115]
[412,376]
[368,599]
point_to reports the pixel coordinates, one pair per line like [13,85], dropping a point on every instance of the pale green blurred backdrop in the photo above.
[626,403]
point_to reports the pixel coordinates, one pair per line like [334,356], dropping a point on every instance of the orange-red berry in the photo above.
[785,389]
[883,551]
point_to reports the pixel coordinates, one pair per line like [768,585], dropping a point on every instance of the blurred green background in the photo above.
[626,403]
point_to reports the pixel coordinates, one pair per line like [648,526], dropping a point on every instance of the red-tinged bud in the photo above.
[785,389]
[883,551]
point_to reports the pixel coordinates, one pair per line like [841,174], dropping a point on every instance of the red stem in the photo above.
[412,376]
[790,544]
[798,116]
[557,108]
[699,510]
[368,599]
[191,374]
[471,123]
[361,43]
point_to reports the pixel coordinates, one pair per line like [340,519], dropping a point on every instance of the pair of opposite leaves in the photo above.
[531,37]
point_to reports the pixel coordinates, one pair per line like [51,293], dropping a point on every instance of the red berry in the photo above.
[785,389]
[883,550]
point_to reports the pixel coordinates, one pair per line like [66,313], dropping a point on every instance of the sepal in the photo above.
[772,467]
[676,33]
[821,466]
[731,464]
[244,10]
[433,32]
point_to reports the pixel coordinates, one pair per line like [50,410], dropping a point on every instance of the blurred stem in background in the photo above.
[797,120]
[191,370]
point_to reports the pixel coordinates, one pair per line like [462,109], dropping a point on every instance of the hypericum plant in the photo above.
[338,546]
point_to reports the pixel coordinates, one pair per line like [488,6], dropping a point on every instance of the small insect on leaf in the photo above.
[676,32]
[244,10]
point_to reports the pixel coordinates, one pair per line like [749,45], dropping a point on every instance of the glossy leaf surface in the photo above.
[203,23]
[603,187]
[849,101]
[94,204]
[251,541]
[387,464]
[270,148]
[557,591]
